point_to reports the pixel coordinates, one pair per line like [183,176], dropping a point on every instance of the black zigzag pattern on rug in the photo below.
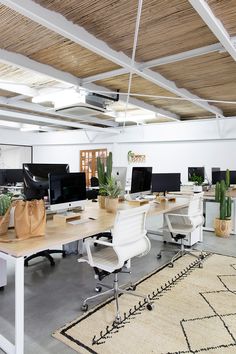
[216,315]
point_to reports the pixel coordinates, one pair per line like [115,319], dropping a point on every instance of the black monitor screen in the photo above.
[197,171]
[165,182]
[35,177]
[13,176]
[66,188]
[218,176]
[141,179]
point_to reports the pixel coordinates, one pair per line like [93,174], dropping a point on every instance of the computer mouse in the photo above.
[94,200]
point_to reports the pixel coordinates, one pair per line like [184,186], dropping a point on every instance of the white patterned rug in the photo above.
[195,312]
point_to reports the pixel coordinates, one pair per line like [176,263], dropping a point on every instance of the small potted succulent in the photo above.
[223,224]
[198,181]
[104,173]
[5,207]
[113,190]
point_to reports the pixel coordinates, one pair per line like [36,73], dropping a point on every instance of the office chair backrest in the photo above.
[129,226]
[195,204]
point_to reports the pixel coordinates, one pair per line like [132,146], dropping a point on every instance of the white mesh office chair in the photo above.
[182,223]
[128,240]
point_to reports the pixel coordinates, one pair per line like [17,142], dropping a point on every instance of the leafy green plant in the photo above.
[104,172]
[225,202]
[5,202]
[198,180]
[112,188]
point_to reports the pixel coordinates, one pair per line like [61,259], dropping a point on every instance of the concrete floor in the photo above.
[53,294]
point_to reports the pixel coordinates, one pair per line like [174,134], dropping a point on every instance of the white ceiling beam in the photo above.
[59,24]
[24,62]
[18,88]
[41,109]
[55,74]
[26,117]
[215,26]
[169,59]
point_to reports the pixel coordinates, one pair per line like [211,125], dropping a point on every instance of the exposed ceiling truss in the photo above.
[79,35]
[215,26]
[15,116]
[25,63]
[193,53]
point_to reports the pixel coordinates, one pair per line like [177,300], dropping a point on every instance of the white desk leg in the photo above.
[19,305]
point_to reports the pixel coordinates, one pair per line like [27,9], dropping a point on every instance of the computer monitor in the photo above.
[141,179]
[218,176]
[232,177]
[35,176]
[13,176]
[119,173]
[197,171]
[67,190]
[2,177]
[166,182]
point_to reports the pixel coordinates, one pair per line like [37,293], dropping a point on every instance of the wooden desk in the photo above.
[59,235]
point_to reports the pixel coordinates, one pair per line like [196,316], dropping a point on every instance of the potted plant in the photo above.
[198,181]
[113,190]
[223,225]
[5,206]
[104,173]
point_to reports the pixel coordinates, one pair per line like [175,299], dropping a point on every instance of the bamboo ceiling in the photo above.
[167,27]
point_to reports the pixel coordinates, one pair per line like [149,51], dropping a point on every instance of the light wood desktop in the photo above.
[59,235]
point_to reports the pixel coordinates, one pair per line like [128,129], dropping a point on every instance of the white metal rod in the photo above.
[6,346]
[19,305]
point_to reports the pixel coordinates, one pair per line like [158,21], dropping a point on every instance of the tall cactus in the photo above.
[227,178]
[217,192]
[104,173]
[225,202]
[5,202]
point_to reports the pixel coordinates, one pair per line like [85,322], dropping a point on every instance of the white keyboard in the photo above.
[77,222]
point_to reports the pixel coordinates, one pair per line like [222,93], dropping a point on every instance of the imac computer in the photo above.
[141,180]
[166,182]
[35,178]
[197,171]
[119,173]
[67,191]
[218,176]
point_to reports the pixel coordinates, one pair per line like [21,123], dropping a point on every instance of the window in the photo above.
[88,162]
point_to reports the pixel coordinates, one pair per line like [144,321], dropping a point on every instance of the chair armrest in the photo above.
[168,214]
[99,242]
[88,242]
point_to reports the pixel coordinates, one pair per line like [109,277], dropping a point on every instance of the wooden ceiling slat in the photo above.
[211,76]
[21,35]
[225,10]
[139,85]
[166,27]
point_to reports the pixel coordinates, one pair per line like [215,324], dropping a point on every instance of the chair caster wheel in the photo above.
[150,307]
[133,287]
[201,257]
[200,265]
[84,307]
[26,264]
[98,289]
[158,255]
[63,255]
[171,265]
[2,288]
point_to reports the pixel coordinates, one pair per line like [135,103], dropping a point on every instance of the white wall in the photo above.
[63,154]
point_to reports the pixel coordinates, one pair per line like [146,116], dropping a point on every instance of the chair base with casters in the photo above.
[181,252]
[116,290]
[46,254]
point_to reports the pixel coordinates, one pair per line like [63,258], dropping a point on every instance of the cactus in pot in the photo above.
[227,178]
[223,223]
[104,173]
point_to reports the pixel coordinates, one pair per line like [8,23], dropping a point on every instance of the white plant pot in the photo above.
[197,188]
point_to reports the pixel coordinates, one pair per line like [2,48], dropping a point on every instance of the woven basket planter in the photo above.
[223,228]
[101,201]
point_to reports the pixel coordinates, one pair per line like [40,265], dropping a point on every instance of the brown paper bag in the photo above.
[29,219]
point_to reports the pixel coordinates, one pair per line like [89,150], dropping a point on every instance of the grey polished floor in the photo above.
[53,294]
